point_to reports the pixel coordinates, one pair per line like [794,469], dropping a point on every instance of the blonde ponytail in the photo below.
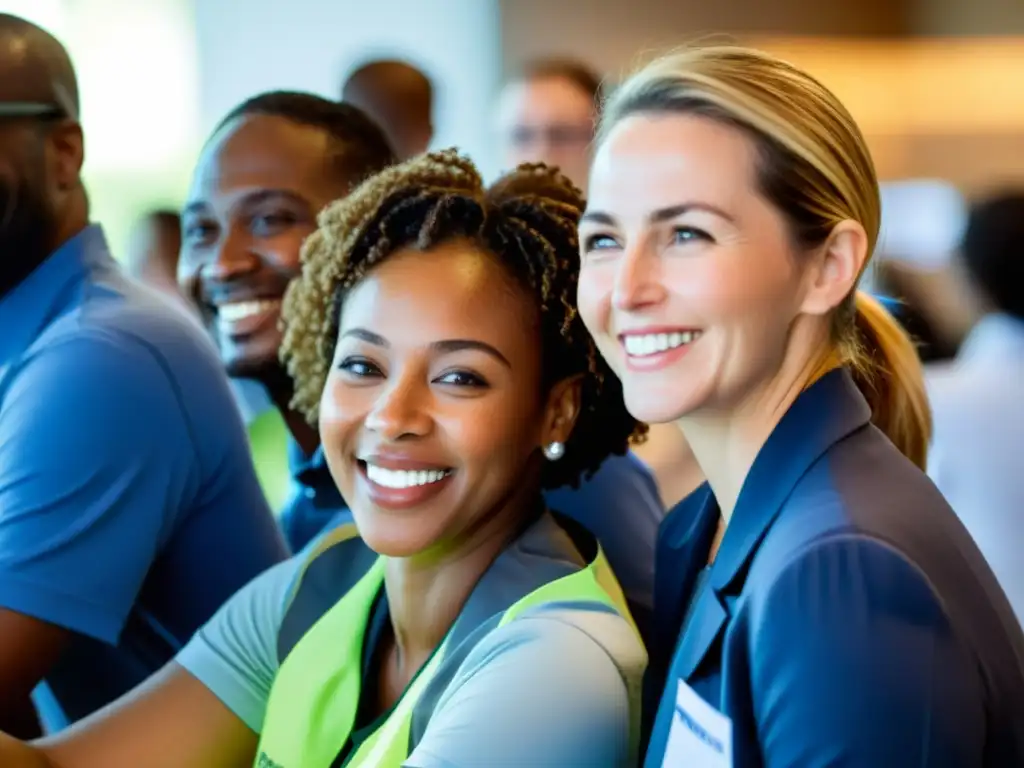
[887,370]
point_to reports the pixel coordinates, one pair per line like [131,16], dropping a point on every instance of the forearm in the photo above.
[18,718]
[18,754]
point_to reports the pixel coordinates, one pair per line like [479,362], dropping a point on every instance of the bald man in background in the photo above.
[125,476]
[400,98]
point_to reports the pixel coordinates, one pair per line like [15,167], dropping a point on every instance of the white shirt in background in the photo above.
[977,456]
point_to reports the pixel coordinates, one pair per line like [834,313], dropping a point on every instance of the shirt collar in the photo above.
[307,469]
[34,303]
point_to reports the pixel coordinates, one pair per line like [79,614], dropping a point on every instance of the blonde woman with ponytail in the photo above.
[816,602]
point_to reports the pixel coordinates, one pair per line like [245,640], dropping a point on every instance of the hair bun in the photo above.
[536,180]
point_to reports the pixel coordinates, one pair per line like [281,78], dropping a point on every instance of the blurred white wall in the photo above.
[138,81]
[310,45]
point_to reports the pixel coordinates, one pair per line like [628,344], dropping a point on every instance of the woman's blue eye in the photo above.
[689,234]
[599,243]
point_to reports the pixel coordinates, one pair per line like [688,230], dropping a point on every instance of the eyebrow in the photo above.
[445,346]
[661,214]
[251,199]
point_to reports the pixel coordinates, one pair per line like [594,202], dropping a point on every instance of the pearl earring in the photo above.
[554,451]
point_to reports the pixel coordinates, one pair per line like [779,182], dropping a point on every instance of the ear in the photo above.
[67,148]
[563,408]
[837,266]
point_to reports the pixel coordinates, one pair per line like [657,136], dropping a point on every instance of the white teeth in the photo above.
[240,310]
[653,343]
[403,478]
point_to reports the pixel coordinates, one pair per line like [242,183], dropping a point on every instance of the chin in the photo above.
[397,538]
[658,404]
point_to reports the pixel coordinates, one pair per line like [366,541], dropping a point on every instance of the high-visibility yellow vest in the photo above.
[315,696]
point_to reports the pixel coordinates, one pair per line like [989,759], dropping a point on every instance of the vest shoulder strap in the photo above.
[339,560]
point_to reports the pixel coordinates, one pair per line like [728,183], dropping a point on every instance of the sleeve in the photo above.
[539,691]
[854,663]
[95,458]
[235,654]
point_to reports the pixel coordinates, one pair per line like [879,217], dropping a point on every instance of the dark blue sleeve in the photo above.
[95,461]
[854,663]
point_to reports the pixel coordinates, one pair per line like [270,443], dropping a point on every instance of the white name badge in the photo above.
[700,737]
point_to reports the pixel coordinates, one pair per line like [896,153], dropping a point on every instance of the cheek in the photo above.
[489,431]
[732,289]
[342,412]
[593,296]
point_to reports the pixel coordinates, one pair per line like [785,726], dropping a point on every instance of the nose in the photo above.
[402,411]
[232,258]
[638,279]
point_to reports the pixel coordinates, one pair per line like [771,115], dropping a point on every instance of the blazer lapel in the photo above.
[708,619]
[822,415]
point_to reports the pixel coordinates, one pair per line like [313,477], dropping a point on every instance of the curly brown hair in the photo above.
[527,219]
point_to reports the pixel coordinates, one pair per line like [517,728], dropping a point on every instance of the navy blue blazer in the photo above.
[848,618]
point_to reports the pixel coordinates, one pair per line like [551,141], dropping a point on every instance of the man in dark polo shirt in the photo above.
[129,508]
[269,168]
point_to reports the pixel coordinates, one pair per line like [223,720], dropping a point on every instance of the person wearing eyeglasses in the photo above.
[125,475]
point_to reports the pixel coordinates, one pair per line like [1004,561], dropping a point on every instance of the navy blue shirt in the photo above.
[848,618]
[621,506]
[129,506]
[314,501]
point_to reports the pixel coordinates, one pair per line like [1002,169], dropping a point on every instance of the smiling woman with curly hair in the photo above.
[433,335]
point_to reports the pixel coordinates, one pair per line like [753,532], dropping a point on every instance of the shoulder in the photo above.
[136,320]
[863,499]
[585,653]
[842,569]
[862,485]
[622,476]
[92,377]
[568,678]
[571,626]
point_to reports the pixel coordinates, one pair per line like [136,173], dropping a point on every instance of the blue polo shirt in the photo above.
[129,507]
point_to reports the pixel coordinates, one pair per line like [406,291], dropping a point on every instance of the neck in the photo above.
[426,593]
[726,442]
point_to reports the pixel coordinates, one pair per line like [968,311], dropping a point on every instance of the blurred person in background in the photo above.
[399,98]
[547,114]
[153,249]
[269,168]
[922,223]
[125,478]
[977,402]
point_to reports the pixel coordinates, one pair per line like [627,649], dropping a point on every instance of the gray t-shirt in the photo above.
[566,677]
